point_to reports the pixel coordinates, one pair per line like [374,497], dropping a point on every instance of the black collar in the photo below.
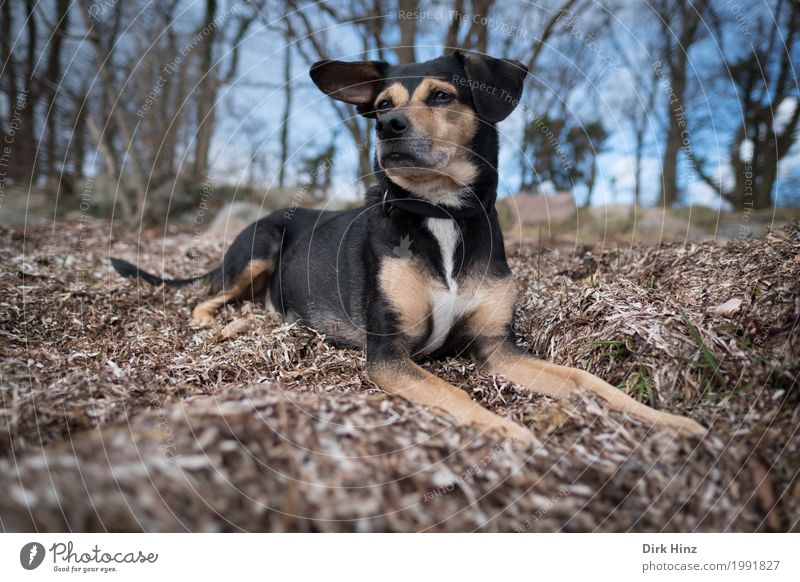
[428,209]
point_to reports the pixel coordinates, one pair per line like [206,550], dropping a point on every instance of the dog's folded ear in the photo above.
[354,82]
[496,84]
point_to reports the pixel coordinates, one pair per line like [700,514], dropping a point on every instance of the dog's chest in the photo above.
[449,302]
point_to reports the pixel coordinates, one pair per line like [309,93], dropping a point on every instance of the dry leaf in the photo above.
[730,307]
[233,329]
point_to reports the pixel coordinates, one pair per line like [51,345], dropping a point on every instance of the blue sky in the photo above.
[314,123]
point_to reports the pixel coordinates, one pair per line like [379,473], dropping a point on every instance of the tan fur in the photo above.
[438,186]
[395,93]
[560,381]
[407,379]
[450,127]
[491,317]
[253,277]
[407,289]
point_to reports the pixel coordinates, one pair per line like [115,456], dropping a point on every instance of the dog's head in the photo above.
[435,121]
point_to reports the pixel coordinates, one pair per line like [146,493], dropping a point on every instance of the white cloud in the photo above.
[700,193]
[746,150]
[784,112]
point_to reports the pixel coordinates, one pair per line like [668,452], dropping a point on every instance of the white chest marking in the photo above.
[447,303]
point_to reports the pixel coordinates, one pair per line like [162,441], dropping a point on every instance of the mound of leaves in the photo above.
[117,414]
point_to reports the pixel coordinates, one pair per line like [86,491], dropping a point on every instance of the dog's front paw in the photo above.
[516,432]
[202,317]
[685,426]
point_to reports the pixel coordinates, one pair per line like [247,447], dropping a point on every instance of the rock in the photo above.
[170,196]
[236,213]
[99,194]
[535,209]
[22,206]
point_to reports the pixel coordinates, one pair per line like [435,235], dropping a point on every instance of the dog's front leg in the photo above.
[401,376]
[507,360]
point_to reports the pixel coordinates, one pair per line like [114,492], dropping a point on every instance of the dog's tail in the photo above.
[131,271]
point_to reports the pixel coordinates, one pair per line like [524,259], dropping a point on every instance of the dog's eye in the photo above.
[442,97]
[384,104]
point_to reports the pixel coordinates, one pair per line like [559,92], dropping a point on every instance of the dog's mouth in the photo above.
[400,160]
[409,154]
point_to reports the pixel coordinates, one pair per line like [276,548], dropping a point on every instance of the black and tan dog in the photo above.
[420,269]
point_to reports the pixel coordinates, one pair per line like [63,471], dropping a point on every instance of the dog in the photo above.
[418,271]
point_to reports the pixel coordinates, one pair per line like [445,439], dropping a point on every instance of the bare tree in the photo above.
[469,28]
[21,83]
[639,107]
[151,97]
[555,139]
[764,83]
[104,39]
[681,28]
[217,49]
[314,46]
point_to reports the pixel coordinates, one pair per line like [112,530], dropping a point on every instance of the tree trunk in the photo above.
[688,18]
[768,172]
[105,139]
[637,167]
[478,34]
[287,110]
[10,70]
[207,97]
[669,168]
[672,147]
[53,84]
[111,164]
[78,150]
[24,168]
[591,182]
[451,40]
[408,31]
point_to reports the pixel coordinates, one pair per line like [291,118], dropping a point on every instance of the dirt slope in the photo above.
[116,414]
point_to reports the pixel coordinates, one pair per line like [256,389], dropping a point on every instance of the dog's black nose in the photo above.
[392,125]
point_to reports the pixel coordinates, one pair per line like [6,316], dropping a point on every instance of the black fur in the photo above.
[327,263]
[131,271]
[341,272]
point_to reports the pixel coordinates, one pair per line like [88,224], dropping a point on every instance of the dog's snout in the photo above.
[392,125]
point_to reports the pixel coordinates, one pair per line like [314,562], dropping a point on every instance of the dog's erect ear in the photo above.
[353,82]
[496,84]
